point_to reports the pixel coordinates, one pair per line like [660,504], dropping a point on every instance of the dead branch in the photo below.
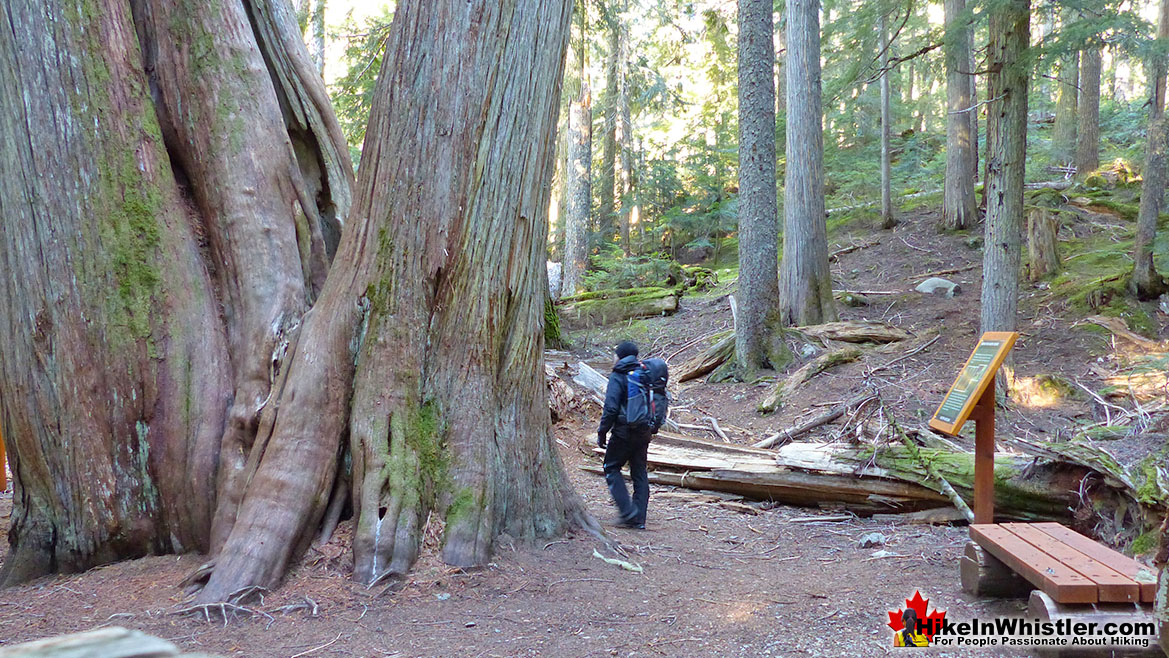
[783,436]
[711,358]
[943,484]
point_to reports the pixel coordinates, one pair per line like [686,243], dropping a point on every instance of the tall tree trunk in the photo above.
[607,210]
[972,80]
[191,240]
[758,334]
[781,78]
[303,11]
[425,347]
[319,35]
[887,218]
[1088,130]
[959,210]
[1063,135]
[1006,151]
[624,146]
[1147,282]
[805,281]
[578,182]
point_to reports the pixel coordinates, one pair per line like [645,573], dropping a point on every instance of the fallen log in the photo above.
[112,642]
[816,366]
[609,306]
[862,479]
[711,358]
[860,331]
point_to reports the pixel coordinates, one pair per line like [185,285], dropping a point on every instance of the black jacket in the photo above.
[615,396]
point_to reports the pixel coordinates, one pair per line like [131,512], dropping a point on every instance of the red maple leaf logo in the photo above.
[931,622]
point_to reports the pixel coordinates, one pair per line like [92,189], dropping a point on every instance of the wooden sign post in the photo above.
[972,397]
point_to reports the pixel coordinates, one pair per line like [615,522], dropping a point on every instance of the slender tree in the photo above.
[887,218]
[758,336]
[1088,129]
[959,210]
[578,178]
[805,281]
[1063,135]
[607,207]
[625,145]
[1146,281]
[1006,151]
[318,50]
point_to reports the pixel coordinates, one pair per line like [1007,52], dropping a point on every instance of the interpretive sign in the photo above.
[972,381]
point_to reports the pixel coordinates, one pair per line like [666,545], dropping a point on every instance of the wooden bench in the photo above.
[1067,566]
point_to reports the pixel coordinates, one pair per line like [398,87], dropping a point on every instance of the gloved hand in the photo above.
[601,442]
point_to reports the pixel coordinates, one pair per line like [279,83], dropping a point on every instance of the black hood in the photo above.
[626,365]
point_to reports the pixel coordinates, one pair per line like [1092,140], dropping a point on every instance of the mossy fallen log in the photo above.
[860,331]
[814,367]
[710,358]
[838,475]
[609,306]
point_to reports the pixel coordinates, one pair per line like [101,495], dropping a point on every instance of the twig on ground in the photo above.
[329,643]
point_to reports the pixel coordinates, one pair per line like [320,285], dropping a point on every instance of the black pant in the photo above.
[623,449]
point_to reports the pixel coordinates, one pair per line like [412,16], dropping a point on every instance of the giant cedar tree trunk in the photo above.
[1147,282]
[1088,130]
[758,338]
[1006,150]
[959,210]
[173,229]
[805,282]
[578,178]
[425,347]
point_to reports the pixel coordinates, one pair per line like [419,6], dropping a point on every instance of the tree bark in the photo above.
[805,283]
[887,219]
[625,147]
[1146,281]
[1063,136]
[607,210]
[1042,243]
[1006,146]
[174,284]
[758,335]
[1088,130]
[578,186]
[972,80]
[959,210]
[425,348]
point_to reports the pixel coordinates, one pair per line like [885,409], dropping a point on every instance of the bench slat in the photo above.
[1114,587]
[1060,582]
[1115,560]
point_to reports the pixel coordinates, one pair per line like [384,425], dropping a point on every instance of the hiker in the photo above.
[635,406]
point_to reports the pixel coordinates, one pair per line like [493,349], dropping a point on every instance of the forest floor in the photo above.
[718,580]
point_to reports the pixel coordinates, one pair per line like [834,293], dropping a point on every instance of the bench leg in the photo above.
[985,575]
[1043,607]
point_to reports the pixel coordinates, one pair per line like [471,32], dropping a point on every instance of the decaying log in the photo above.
[943,485]
[608,306]
[786,435]
[860,331]
[561,400]
[711,358]
[984,575]
[111,642]
[1120,328]
[936,516]
[811,369]
[837,475]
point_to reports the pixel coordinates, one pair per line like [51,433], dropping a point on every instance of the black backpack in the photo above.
[659,375]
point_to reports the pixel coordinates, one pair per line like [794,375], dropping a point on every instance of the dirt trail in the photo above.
[716,582]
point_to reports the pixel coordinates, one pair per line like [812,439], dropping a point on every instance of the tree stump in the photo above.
[1042,242]
[985,575]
